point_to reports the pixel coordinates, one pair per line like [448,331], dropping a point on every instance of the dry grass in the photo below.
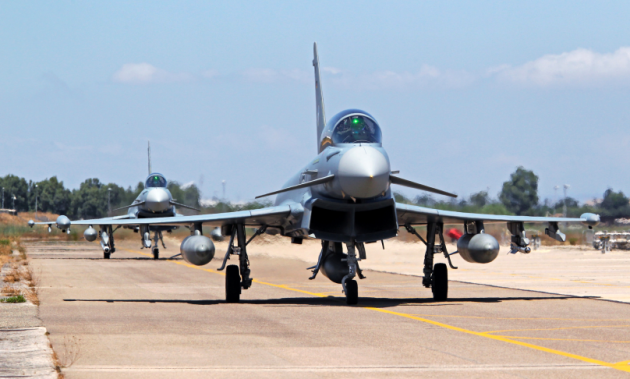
[13,275]
[70,352]
[8,290]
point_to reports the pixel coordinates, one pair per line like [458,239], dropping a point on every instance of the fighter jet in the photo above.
[154,201]
[343,196]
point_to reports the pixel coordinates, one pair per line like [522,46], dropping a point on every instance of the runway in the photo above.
[135,317]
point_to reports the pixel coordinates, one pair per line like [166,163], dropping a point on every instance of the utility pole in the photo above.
[36,218]
[564,206]
[223,183]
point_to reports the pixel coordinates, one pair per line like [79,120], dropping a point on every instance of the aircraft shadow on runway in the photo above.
[113,259]
[331,301]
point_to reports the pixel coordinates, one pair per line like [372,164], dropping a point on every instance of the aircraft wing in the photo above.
[101,221]
[414,215]
[272,216]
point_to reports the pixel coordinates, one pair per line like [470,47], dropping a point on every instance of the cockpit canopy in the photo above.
[156,180]
[356,128]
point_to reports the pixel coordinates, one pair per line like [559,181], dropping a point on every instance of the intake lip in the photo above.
[363,172]
[158,200]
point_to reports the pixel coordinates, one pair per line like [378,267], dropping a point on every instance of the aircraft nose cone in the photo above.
[363,172]
[157,200]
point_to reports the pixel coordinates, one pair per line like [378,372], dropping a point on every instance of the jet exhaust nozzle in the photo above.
[197,250]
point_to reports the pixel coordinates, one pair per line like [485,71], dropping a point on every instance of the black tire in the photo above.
[352,292]
[232,284]
[439,282]
[106,255]
[156,254]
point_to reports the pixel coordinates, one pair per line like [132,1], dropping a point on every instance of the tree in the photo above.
[188,195]
[90,200]
[615,204]
[18,187]
[520,193]
[480,198]
[53,197]
[571,203]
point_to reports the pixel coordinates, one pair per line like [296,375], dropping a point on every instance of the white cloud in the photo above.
[332,70]
[426,77]
[579,67]
[267,75]
[145,73]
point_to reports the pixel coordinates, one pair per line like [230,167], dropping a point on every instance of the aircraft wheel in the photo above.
[439,282]
[232,284]
[106,255]
[352,292]
[156,254]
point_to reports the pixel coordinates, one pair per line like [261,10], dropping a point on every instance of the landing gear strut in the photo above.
[237,277]
[155,249]
[345,267]
[107,240]
[435,277]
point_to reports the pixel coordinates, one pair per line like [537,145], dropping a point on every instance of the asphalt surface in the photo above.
[135,317]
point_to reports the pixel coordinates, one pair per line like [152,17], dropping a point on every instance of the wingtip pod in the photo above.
[31,223]
[590,219]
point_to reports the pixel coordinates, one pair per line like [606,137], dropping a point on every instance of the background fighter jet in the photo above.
[154,201]
[343,197]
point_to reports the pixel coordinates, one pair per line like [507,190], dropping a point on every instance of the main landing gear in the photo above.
[237,277]
[435,276]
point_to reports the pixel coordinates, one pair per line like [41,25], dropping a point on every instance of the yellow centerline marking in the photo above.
[622,366]
[561,339]
[521,318]
[562,328]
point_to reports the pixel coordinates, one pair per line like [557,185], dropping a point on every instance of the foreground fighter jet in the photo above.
[154,201]
[343,197]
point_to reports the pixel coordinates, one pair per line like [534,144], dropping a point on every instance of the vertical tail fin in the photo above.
[149,153]
[319,98]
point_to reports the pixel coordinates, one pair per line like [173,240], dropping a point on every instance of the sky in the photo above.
[465,92]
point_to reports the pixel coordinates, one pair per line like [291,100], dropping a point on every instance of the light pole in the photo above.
[109,207]
[37,218]
[223,200]
[14,202]
[555,197]
[564,206]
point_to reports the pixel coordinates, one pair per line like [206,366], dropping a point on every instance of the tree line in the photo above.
[519,195]
[90,200]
